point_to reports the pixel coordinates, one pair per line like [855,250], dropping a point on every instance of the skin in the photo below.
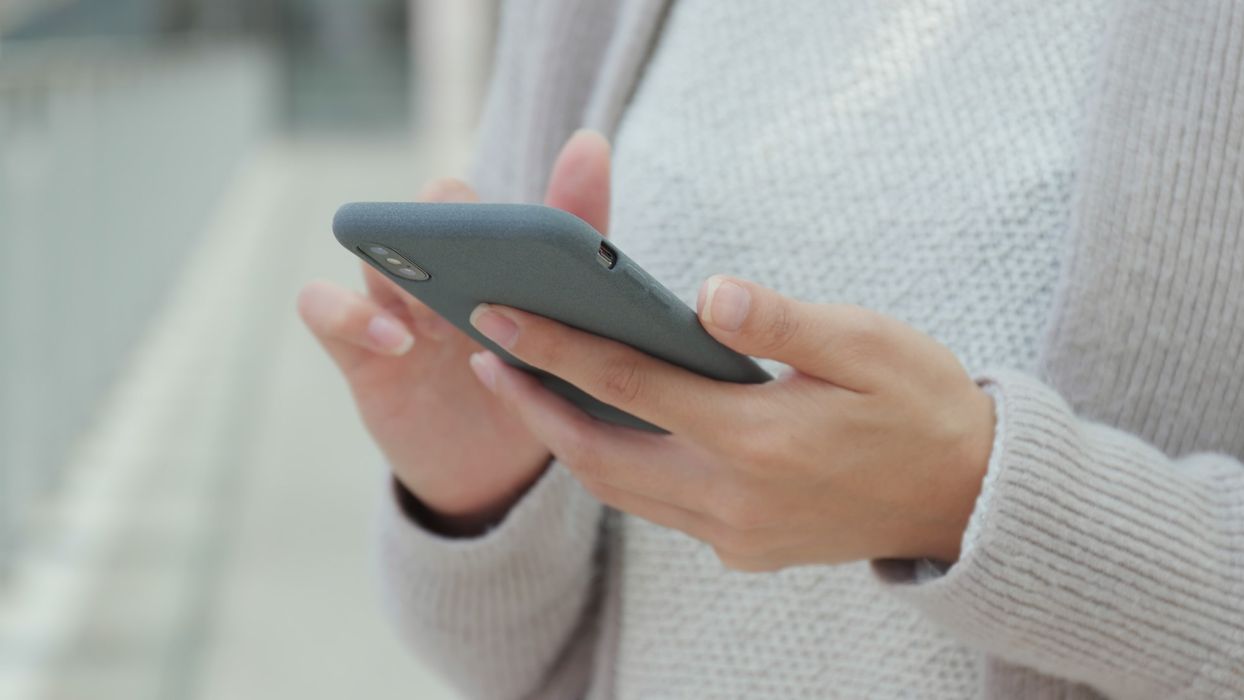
[872,446]
[460,449]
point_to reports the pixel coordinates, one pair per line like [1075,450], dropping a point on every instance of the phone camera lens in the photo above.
[412,273]
[393,262]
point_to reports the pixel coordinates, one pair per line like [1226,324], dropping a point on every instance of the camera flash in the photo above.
[393,261]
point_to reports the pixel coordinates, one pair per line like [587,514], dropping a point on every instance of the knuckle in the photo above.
[864,330]
[744,564]
[621,382]
[736,509]
[757,450]
[740,543]
[599,489]
[410,305]
[540,348]
[577,450]
[778,328]
[754,452]
[435,326]
[748,518]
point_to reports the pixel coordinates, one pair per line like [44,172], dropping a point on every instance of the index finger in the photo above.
[663,394]
[847,345]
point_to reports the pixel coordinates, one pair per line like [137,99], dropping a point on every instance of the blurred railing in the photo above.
[111,156]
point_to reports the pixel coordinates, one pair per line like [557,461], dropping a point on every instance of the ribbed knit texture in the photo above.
[934,160]
[493,612]
[1100,560]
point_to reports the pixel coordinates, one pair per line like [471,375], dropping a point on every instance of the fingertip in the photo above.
[484,369]
[584,159]
[538,408]
[495,325]
[477,312]
[579,181]
[447,189]
[390,336]
[725,303]
[497,376]
[314,299]
[506,378]
[591,138]
[709,285]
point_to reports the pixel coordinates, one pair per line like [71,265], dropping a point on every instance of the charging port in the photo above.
[606,256]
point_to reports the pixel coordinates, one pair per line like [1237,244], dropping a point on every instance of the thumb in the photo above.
[839,343]
[579,183]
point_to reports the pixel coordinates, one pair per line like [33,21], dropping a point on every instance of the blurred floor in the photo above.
[295,610]
[213,540]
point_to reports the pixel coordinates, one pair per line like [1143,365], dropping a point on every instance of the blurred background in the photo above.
[185,492]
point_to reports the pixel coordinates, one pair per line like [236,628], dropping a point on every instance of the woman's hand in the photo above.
[873,447]
[449,441]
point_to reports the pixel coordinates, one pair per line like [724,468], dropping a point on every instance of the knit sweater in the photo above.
[1053,189]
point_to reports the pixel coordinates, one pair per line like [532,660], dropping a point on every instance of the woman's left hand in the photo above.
[874,446]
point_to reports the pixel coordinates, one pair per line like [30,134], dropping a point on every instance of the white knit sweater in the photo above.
[949,163]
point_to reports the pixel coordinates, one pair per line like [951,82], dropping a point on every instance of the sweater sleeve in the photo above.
[1097,558]
[503,615]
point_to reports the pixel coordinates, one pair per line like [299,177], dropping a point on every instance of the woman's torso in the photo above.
[913,157]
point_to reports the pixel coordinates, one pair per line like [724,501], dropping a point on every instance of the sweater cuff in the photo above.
[1080,558]
[925,570]
[540,551]
[971,534]
[920,572]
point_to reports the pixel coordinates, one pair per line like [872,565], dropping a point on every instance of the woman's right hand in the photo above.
[449,441]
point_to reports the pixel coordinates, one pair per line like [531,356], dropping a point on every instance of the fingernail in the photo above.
[495,327]
[483,370]
[726,303]
[389,336]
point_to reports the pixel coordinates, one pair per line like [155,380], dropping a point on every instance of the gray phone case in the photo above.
[545,261]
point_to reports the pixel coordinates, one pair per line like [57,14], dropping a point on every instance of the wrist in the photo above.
[448,524]
[977,450]
[461,514]
[964,475]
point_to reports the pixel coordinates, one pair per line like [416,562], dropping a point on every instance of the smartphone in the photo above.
[453,257]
